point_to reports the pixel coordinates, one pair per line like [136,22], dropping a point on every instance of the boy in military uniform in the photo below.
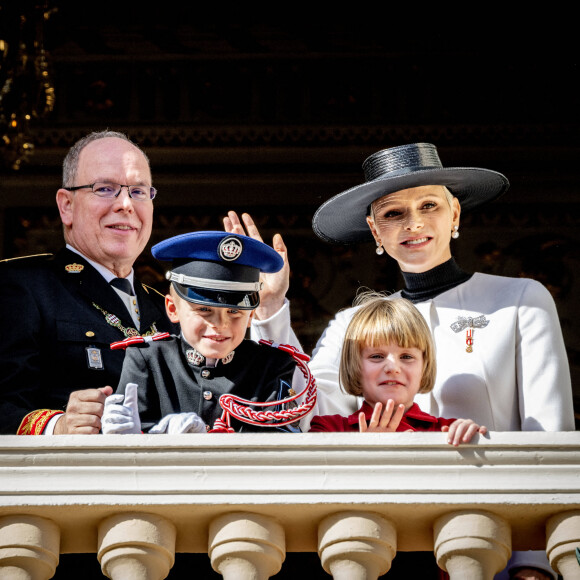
[172,384]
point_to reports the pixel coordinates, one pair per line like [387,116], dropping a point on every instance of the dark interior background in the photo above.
[273,111]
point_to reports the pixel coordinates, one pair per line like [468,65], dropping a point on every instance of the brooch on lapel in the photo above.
[469,323]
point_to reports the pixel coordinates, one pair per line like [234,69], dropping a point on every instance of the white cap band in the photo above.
[210,284]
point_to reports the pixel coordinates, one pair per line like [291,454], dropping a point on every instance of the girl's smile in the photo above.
[391,372]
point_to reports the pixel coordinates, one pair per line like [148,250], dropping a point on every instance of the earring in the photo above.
[380,250]
[455,233]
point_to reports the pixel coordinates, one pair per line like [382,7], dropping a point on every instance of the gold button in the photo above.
[89,333]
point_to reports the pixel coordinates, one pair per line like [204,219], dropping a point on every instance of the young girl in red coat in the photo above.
[387,358]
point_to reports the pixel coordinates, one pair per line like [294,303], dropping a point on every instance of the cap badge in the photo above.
[230,249]
[74,268]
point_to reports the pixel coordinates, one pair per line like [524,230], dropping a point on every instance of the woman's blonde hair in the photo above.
[381,321]
[371,209]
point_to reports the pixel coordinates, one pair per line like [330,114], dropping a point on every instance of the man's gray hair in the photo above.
[71,161]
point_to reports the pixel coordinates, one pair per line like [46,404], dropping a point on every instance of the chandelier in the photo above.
[26,89]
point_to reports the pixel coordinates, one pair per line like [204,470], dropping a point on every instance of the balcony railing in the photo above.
[248,499]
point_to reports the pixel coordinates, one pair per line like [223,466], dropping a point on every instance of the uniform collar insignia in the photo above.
[228,359]
[74,268]
[195,358]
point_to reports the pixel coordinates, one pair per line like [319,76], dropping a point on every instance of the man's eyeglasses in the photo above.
[111,190]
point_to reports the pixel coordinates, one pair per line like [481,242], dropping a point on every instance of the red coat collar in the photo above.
[408,421]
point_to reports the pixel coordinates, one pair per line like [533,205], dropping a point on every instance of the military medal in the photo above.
[469,323]
[94,358]
[469,340]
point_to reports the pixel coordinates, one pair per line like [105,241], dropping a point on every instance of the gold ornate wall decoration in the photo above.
[26,89]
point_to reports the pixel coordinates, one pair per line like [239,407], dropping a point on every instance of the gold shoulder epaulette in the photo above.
[23,257]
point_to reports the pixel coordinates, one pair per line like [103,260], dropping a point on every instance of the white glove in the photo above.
[121,414]
[176,423]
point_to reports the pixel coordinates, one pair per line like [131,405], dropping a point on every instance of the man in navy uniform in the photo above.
[172,384]
[60,313]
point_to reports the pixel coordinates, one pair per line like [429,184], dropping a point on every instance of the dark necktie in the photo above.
[122,284]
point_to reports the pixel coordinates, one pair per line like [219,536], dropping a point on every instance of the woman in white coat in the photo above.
[500,353]
[501,358]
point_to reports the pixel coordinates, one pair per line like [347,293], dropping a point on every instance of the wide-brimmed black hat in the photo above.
[342,219]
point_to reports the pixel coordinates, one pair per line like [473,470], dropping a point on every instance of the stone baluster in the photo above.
[29,548]
[356,545]
[136,546]
[246,546]
[472,544]
[562,539]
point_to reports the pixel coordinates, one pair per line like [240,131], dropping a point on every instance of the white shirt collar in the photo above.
[104,272]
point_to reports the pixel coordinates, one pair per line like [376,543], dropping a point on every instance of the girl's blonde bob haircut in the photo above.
[381,321]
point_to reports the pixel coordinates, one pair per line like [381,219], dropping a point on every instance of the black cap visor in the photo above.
[218,298]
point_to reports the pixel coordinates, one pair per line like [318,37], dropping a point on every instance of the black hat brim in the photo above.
[218,298]
[342,219]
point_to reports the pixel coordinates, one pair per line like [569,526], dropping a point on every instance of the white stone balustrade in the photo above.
[356,545]
[246,500]
[29,547]
[563,537]
[246,545]
[472,544]
[135,546]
